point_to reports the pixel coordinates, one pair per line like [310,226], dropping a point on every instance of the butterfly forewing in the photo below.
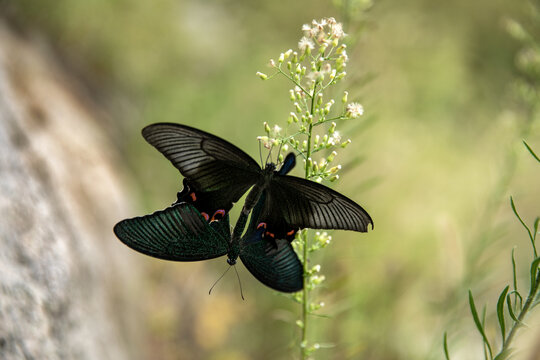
[306,204]
[178,233]
[210,163]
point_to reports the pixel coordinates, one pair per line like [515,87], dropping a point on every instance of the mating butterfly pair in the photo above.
[217,174]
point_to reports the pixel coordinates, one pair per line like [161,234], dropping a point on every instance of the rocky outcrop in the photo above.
[62,283]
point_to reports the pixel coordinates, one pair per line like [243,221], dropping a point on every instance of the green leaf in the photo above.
[534,273]
[524,225]
[503,355]
[479,324]
[514,275]
[531,151]
[510,310]
[445,347]
[500,311]
[516,296]
[536,221]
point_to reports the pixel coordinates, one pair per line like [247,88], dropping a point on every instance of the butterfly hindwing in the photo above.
[274,263]
[210,164]
[302,203]
[271,260]
[178,233]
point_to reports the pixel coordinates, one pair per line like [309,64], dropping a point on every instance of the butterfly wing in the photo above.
[178,233]
[272,261]
[300,203]
[217,172]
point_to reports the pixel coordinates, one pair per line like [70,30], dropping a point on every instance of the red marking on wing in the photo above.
[261,225]
[193,197]
[220,213]
[205,216]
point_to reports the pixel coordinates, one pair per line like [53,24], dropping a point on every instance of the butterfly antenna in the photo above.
[222,275]
[239,282]
[269,154]
[260,154]
[279,149]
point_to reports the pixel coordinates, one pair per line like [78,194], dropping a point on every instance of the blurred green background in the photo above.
[440,139]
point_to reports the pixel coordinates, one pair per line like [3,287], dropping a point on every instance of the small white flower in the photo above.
[344,56]
[335,138]
[354,110]
[277,130]
[327,68]
[266,141]
[319,25]
[337,31]
[305,43]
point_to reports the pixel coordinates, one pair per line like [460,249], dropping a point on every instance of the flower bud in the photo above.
[288,53]
[335,169]
[340,49]
[262,75]
[332,128]
[333,74]
[331,157]
[345,143]
[345,96]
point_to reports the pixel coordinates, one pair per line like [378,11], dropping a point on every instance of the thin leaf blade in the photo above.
[500,312]
[478,323]
[531,151]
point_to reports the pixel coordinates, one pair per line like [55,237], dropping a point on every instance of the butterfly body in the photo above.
[216,174]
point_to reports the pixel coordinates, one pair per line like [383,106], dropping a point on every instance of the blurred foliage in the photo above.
[444,119]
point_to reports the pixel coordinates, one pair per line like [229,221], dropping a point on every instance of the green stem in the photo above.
[305,292]
[293,81]
[303,343]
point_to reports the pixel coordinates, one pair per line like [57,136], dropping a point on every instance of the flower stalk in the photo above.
[311,131]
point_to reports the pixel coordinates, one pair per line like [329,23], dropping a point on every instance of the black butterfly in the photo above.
[217,174]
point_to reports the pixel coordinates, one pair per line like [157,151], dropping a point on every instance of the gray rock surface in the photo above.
[62,275]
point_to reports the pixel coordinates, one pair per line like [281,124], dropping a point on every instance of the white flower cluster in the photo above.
[319,63]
